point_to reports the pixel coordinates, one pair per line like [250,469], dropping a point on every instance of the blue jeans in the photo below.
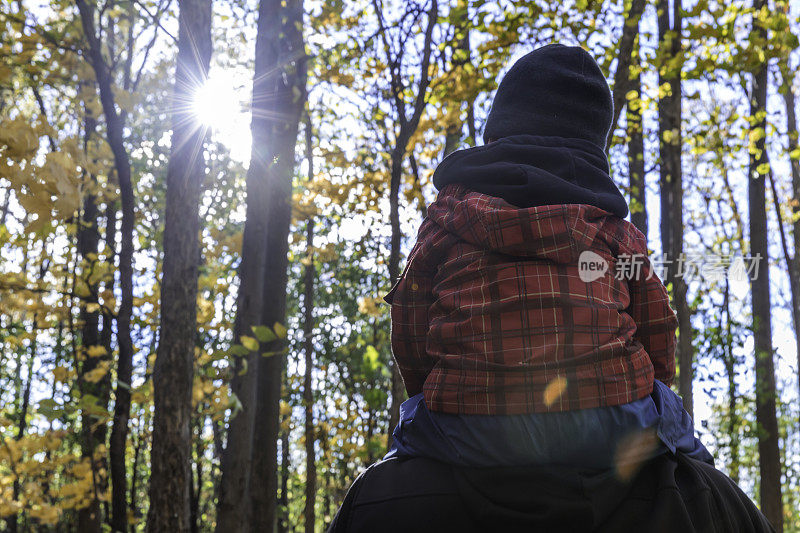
[585,437]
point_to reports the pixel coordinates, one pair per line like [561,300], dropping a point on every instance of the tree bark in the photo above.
[281,65]
[671,189]
[768,447]
[405,128]
[93,431]
[308,347]
[122,168]
[730,374]
[636,168]
[171,455]
[793,262]
[283,496]
[622,78]
[461,52]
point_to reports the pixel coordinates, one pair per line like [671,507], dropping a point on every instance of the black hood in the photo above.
[531,170]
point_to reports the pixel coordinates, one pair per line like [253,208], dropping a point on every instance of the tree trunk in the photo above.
[636,168]
[461,52]
[196,488]
[398,392]
[405,129]
[24,397]
[137,452]
[308,336]
[622,78]
[793,263]
[171,454]
[93,431]
[115,138]
[671,188]
[281,66]
[283,497]
[233,508]
[730,374]
[768,448]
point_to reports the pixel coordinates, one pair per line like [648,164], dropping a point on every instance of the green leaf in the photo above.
[371,358]
[239,350]
[264,334]
[249,342]
[280,330]
[50,409]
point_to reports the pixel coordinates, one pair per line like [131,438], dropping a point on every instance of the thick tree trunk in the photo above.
[768,447]
[281,65]
[234,506]
[671,188]
[308,347]
[171,454]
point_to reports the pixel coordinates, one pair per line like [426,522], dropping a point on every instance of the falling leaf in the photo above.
[554,390]
[632,451]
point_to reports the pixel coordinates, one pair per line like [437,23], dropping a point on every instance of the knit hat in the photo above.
[555,90]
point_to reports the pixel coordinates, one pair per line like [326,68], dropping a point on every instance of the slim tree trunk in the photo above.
[730,374]
[461,52]
[398,390]
[625,58]
[24,397]
[308,347]
[171,455]
[768,448]
[137,452]
[93,431]
[283,496]
[793,262]
[281,65]
[122,168]
[196,487]
[636,168]
[405,128]
[671,185]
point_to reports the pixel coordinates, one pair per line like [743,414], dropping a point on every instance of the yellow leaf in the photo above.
[249,342]
[554,390]
[96,351]
[280,330]
[95,375]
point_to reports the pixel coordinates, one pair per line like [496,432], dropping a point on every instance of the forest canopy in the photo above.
[204,202]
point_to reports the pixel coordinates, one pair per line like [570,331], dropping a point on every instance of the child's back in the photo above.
[512,350]
[494,316]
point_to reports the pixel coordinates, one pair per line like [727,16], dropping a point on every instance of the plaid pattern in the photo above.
[490,315]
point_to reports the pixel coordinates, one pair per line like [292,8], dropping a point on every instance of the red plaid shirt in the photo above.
[491,316]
